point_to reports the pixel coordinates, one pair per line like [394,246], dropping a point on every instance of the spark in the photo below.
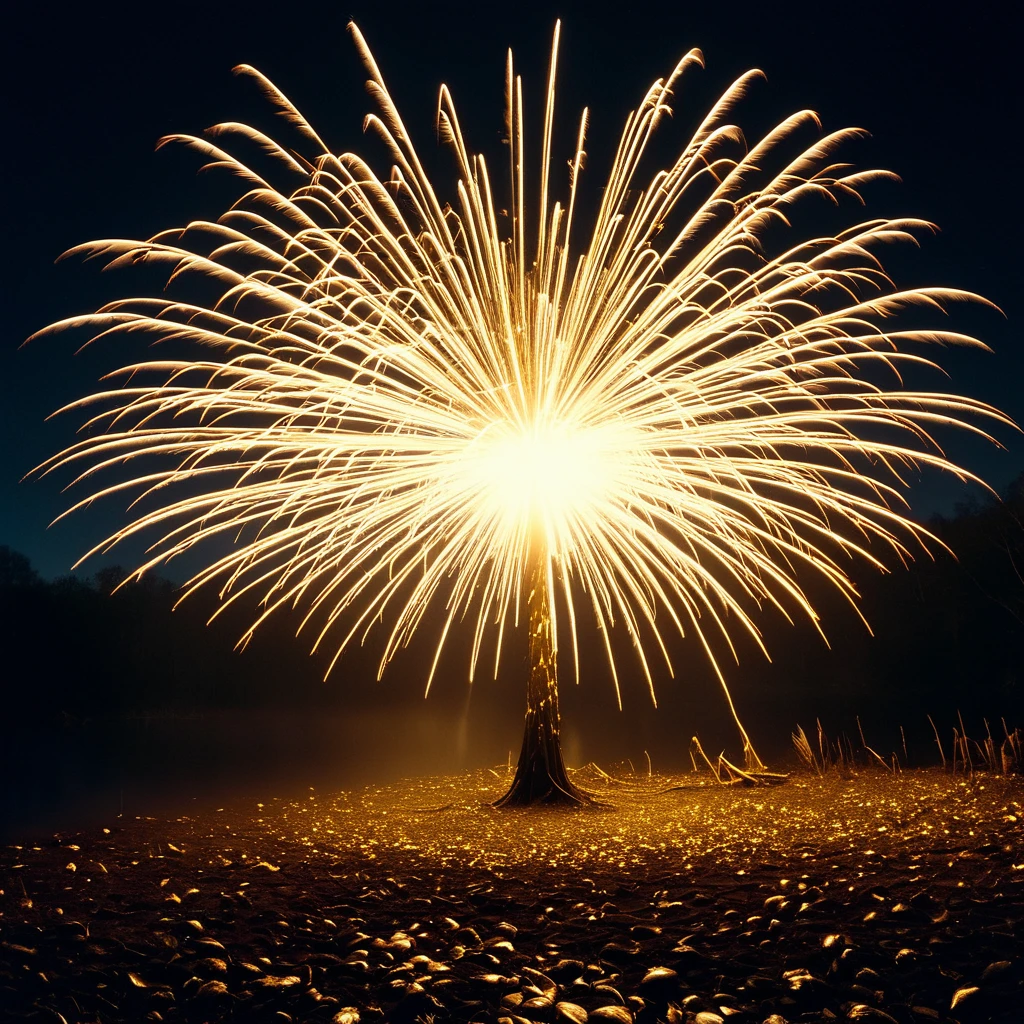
[400,403]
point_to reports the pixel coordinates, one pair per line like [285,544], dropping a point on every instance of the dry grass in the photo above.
[998,756]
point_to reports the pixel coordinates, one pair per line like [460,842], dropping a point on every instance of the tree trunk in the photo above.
[541,777]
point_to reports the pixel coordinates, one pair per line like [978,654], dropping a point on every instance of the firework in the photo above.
[658,424]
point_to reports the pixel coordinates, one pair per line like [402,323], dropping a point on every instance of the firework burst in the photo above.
[401,403]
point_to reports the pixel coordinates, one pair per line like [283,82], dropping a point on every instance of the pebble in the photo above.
[859,1011]
[571,1013]
[328,936]
[611,1015]
[707,1017]
[961,995]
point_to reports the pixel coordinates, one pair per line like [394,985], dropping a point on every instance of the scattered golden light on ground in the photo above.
[649,824]
[900,895]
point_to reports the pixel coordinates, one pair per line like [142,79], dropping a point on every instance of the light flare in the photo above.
[552,478]
[697,409]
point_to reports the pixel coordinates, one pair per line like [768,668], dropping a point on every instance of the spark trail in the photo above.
[670,418]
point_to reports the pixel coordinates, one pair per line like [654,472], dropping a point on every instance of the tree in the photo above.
[540,776]
[16,572]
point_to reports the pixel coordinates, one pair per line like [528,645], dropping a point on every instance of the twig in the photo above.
[700,750]
[965,752]
[609,779]
[942,753]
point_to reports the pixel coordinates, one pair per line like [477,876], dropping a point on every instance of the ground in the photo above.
[875,897]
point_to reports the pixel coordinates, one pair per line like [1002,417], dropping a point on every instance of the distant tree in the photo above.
[109,578]
[16,572]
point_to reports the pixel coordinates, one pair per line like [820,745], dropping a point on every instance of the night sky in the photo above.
[89,92]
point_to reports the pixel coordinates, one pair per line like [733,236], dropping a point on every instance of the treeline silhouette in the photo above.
[82,648]
[948,633]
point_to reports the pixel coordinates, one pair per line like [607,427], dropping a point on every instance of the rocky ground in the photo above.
[877,897]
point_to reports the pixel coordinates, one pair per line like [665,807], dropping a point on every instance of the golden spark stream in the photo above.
[397,401]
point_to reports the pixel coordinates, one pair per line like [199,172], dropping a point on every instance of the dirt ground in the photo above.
[876,897]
